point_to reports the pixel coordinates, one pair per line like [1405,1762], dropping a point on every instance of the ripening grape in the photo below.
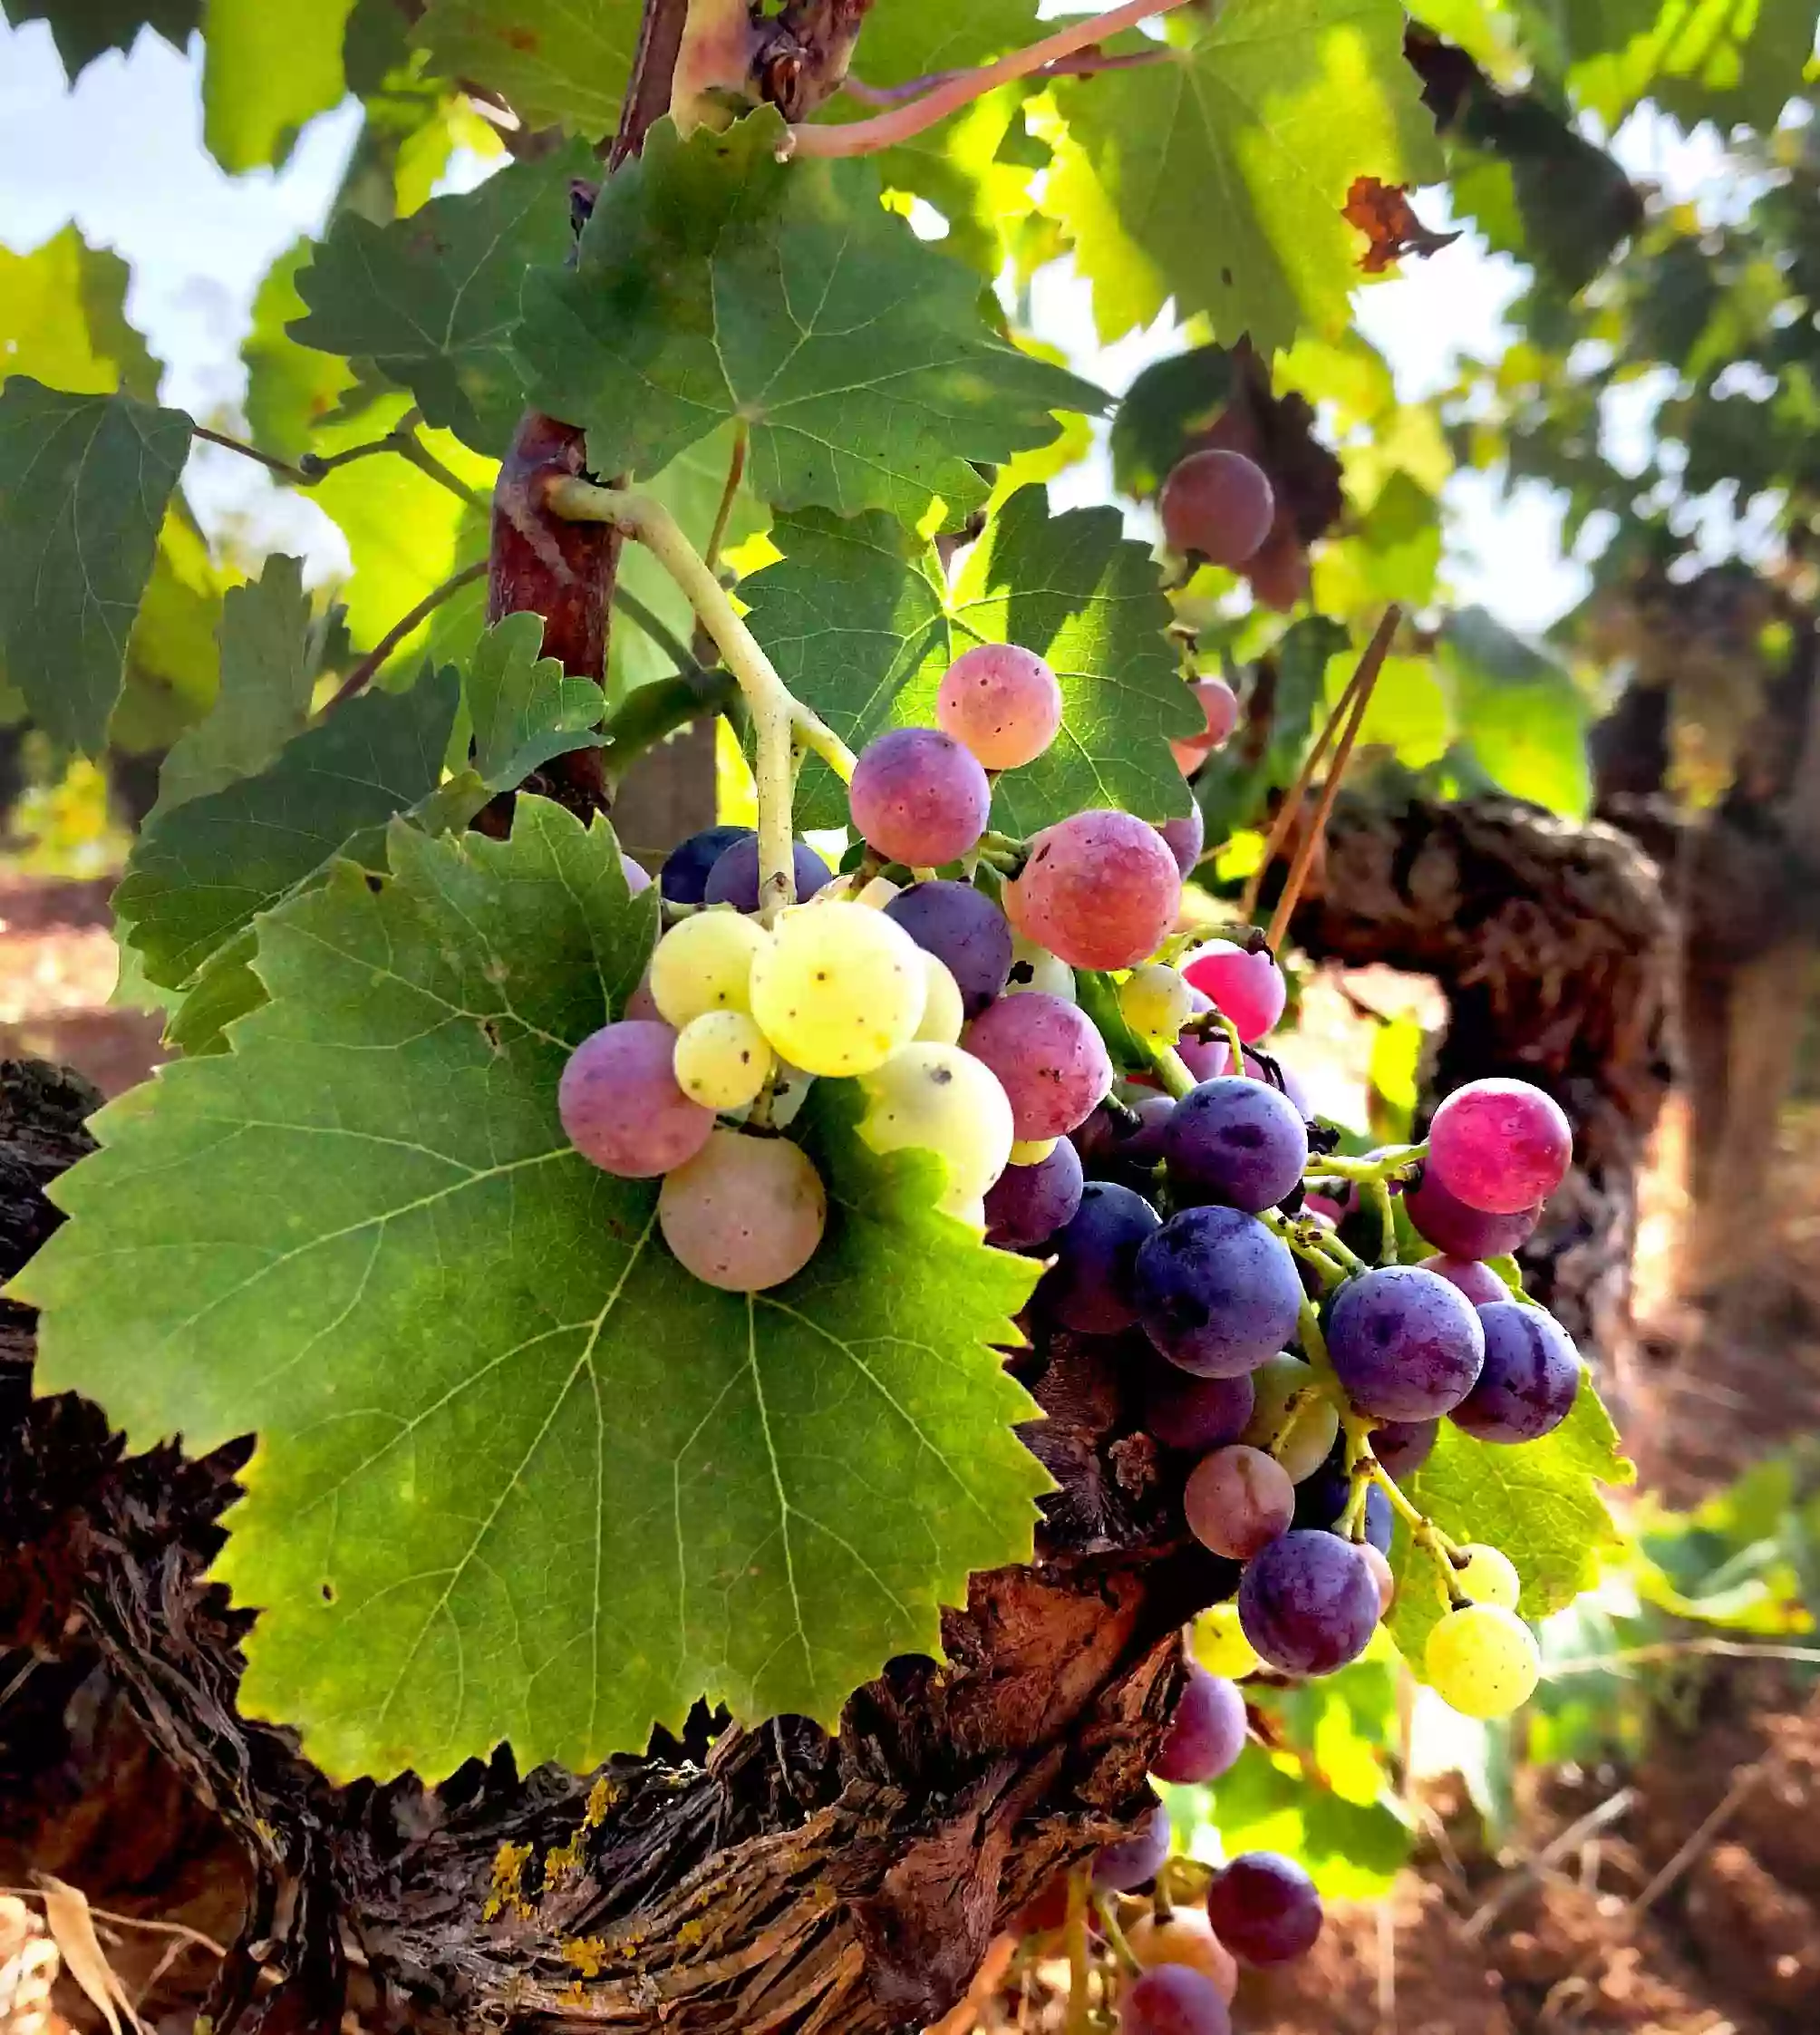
[1316,1420]
[1173,2000]
[918,797]
[735,878]
[1485,1575]
[1407,1345]
[944,1015]
[1237,1501]
[1050,1058]
[1461,1232]
[1026,1203]
[1033,1151]
[683,877]
[1482,1660]
[1477,1282]
[1129,1861]
[721,1059]
[1402,1446]
[1500,1146]
[1278,570]
[1236,1142]
[1219,707]
[938,1099]
[1088,1288]
[1036,972]
[642,1003]
[1249,988]
[1185,838]
[1100,889]
[838,988]
[1217,1292]
[1309,1604]
[705,964]
[965,931]
[1155,1001]
[1001,702]
[745,1214]
[1382,1575]
[1207,1732]
[1195,1414]
[1218,506]
[620,1106]
[1221,1645]
[1184,1936]
[1530,1378]
[1265,1909]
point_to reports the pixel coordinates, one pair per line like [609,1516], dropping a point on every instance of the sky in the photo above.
[121,155]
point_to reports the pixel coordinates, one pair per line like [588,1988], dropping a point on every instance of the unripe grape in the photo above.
[1382,1575]
[620,1104]
[1155,1001]
[1036,972]
[838,989]
[722,1060]
[1237,1501]
[705,964]
[1316,1422]
[1221,1645]
[745,1214]
[1049,1058]
[938,1099]
[1482,1660]
[1100,889]
[1486,1575]
[1001,702]
[1033,1151]
[943,1016]
[1218,506]
[1188,1938]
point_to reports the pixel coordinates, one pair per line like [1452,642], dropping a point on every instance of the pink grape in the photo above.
[1174,2000]
[745,1214]
[918,797]
[1187,838]
[1248,988]
[1500,1146]
[1477,1282]
[1264,1908]
[620,1105]
[1238,1500]
[1220,704]
[1206,1733]
[1001,702]
[1459,1231]
[1219,506]
[1049,1059]
[1101,890]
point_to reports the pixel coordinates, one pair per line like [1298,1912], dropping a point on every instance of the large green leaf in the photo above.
[432,299]
[83,30]
[858,623]
[198,874]
[557,62]
[522,708]
[63,320]
[83,484]
[173,661]
[520,1476]
[1522,714]
[1732,61]
[900,44]
[716,282]
[269,67]
[1216,176]
[290,389]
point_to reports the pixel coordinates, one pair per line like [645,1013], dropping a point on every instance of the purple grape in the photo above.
[620,1104]
[1174,2000]
[966,932]
[1236,1142]
[1265,1909]
[1049,1059]
[1237,1500]
[1531,1375]
[1402,1446]
[735,878]
[1216,1292]
[1321,1501]
[1499,1145]
[1187,838]
[1308,1603]
[1113,1146]
[1461,1232]
[1477,1282]
[1192,1414]
[1028,1204]
[1088,1288]
[1407,1345]
[1129,1861]
[683,877]
[918,797]
[1206,1733]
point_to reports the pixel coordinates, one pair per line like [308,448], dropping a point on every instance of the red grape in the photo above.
[1247,987]
[1219,706]
[1265,1909]
[1100,890]
[1447,1222]
[1190,1413]
[1088,1289]
[964,930]
[1206,1733]
[620,1105]
[1238,1500]
[1402,1446]
[1187,838]
[735,878]
[1236,1142]
[918,797]
[1001,703]
[1279,570]
[1173,2000]
[745,1213]
[1477,1282]
[1049,1059]
[1500,1146]
[684,874]
[1216,1292]
[1218,506]
[1130,1861]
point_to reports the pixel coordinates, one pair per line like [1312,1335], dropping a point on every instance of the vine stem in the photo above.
[356,680]
[780,721]
[884,130]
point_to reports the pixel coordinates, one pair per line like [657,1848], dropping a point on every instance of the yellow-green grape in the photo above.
[1489,1577]
[1033,1151]
[1220,1646]
[839,988]
[973,1213]
[1036,968]
[1483,1661]
[721,1059]
[943,1013]
[941,1099]
[1156,1002]
[1304,1450]
[879,893]
[705,964]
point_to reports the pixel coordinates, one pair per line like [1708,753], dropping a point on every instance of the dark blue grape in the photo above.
[1131,1861]
[1309,1604]
[964,930]
[683,877]
[1402,1446]
[1206,1733]
[1321,1501]
[1088,1288]
[1265,1909]
[1236,1142]
[1406,1344]
[735,878]
[1217,1292]
[1028,1204]
[1193,1414]
[1531,1375]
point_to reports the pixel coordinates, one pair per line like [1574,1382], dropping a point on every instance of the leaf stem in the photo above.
[778,719]
[314,467]
[1078,2021]
[357,678]
[884,130]
[409,446]
[295,475]
[1384,1166]
[1109,1922]
[1088,63]
[730,494]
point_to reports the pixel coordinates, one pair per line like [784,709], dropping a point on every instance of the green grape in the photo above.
[941,1099]
[1033,1151]
[705,964]
[1305,1447]
[1220,1646]
[1036,968]
[1489,1577]
[943,1013]
[1483,1661]
[721,1059]
[1155,1002]
[838,989]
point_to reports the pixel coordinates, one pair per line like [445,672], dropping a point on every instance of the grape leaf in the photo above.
[523,709]
[199,875]
[83,484]
[173,661]
[1521,713]
[63,320]
[1540,1502]
[1218,175]
[716,282]
[856,619]
[83,30]
[290,389]
[432,299]
[269,67]
[1732,61]
[519,1477]
[900,45]
[557,62]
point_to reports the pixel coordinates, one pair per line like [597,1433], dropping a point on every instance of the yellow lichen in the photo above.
[508,1876]
[601,1798]
[587,1954]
